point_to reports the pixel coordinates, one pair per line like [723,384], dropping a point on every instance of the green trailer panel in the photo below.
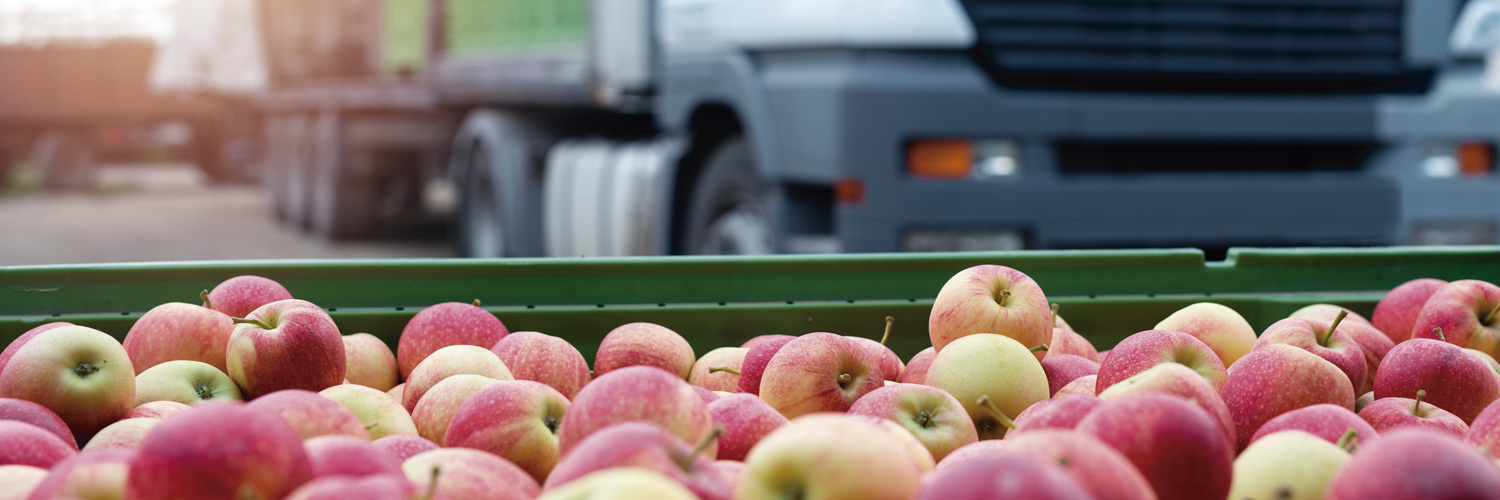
[491,27]
[405,36]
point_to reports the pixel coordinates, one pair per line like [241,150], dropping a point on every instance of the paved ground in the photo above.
[166,213]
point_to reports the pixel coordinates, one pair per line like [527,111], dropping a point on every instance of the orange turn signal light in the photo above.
[1475,158]
[849,190]
[940,158]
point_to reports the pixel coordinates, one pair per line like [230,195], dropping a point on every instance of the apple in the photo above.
[381,487]
[1415,463]
[311,415]
[622,483]
[1278,378]
[21,410]
[380,415]
[972,450]
[934,417]
[1177,446]
[18,481]
[882,357]
[1104,472]
[1222,329]
[840,457]
[746,420]
[404,446]
[1064,368]
[1454,380]
[991,299]
[289,344]
[719,369]
[186,382]
[1063,411]
[25,444]
[1364,400]
[1387,414]
[996,369]
[1396,314]
[1373,343]
[818,372]
[1081,385]
[731,470]
[447,362]
[754,341]
[1485,431]
[178,331]
[1324,339]
[1467,312]
[127,434]
[916,369]
[219,450]
[914,448]
[340,455]
[1068,342]
[1180,381]
[1326,421]
[1141,351]
[435,412]
[706,395]
[241,295]
[369,362]
[643,393]
[546,359]
[1485,358]
[81,374]
[93,475]
[1004,476]
[1327,312]
[156,409]
[461,473]
[641,444]
[646,344]
[398,392]
[1287,464]
[516,420]
[443,325]
[756,359]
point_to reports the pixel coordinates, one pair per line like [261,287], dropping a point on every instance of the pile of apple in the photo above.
[255,395]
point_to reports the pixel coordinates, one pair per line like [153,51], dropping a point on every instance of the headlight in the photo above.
[1478,29]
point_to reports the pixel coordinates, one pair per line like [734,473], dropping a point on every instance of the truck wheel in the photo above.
[480,231]
[342,197]
[65,160]
[495,161]
[729,212]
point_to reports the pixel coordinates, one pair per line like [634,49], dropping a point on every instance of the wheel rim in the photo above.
[744,229]
[485,238]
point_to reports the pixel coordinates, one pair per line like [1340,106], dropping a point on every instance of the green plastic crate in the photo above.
[722,301]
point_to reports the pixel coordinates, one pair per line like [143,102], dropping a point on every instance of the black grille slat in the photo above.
[1188,41]
[1189,16]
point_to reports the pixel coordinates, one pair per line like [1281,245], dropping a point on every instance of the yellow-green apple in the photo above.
[25,444]
[1175,445]
[93,475]
[462,473]
[447,362]
[1222,329]
[340,455]
[914,448]
[1141,351]
[1180,381]
[543,358]
[1004,475]
[127,434]
[219,450]
[15,345]
[762,338]
[380,415]
[646,344]
[397,392]
[1372,342]
[1324,339]
[1286,465]
[289,344]
[81,374]
[240,295]
[1387,414]
[156,409]
[381,487]
[1326,421]
[639,444]
[1481,356]
[719,369]
[17,481]
[1467,312]
[1080,385]
[404,446]
[1063,411]
[622,483]
[1397,312]
[878,354]
[369,362]
[756,359]
[1415,463]
[1061,369]
[643,393]
[991,299]
[746,419]
[916,369]
[831,458]
[1454,380]
[186,382]
[934,417]
[1101,470]
[516,420]
[436,409]
[311,415]
[731,470]
[443,325]
[818,372]
[21,410]
[994,367]
[1279,378]
[178,331]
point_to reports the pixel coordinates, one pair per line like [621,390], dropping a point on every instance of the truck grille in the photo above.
[1148,157]
[1291,46]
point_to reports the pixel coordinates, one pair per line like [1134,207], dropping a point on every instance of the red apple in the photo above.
[219,450]
[516,420]
[817,372]
[467,474]
[17,481]
[1397,312]
[644,393]
[916,369]
[1175,445]
[1468,313]
[1063,411]
[836,457]
[935,418]
[1279,378]
[338,455]
[1325,339]
[435,412]
[361,488]
[644,344]
[1222,329]
[991,299]
[746,420]
[1141,351]
[756,359]
[81,374]
[1326,421]
[706,395]
[240,295]
[127,434]
[546,359]
[92,475]
[730,470]
[1327,312]
[1064,368]
[1389,414]
[311,415]
[404,446]
[762,338]
[447,362]
[369,362]
[443,325]
[1454,380]
[1101,470]
[290,344]
[178,331]
[639,444]
[1485,432]
[25,444]
[21,410]
[719,369]
[15,345]
[1004,476]
[876,353]
[1415,463]
[1180,381]
[1068,342]
[1372,342]
[1082,385]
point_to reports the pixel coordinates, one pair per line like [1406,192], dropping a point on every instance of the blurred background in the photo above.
[145,130]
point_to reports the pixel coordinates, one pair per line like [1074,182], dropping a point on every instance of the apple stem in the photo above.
[717,369]
[888,322]
[1491,316]
[256,322]
[1439,333]
[1004,294]
[1042,347]
[1349,441]
[985,402]
[1323,339]
[687,461]
[845,378]
[433,482]
[476,302]
[1416,405]
[204,295]
[1054,315]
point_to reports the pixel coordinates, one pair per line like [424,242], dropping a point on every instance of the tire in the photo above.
[729,212]
[342,198]
[65,160]
[481,231]
[495,161]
